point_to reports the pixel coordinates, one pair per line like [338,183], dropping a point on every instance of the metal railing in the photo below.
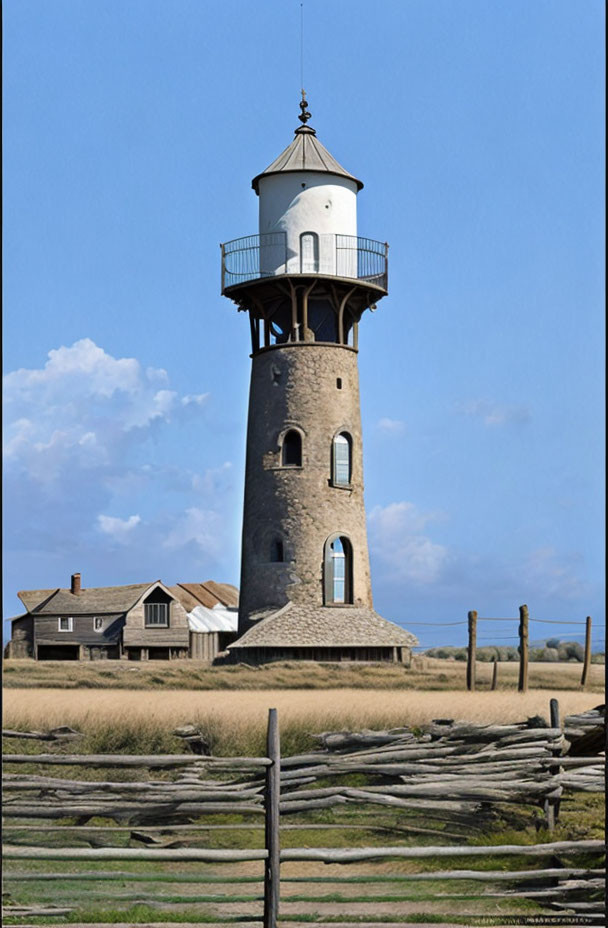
[260,256]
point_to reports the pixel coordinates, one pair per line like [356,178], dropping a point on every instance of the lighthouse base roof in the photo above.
[297,625]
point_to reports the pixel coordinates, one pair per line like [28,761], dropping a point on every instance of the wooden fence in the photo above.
[524,650]
[456,777]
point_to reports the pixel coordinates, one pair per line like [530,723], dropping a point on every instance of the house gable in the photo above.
[137,633]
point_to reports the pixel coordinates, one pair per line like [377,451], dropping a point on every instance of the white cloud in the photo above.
[418,576]
[201,527]
[390,426]
[91,439]
[557,575]
[118,529]
[196,399]
[84,409]
[493,414]
[210,480]
[85,362]
[398,539]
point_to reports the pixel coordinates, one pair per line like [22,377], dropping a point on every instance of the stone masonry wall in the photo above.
[295,386]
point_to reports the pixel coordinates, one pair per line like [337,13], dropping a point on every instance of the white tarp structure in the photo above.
[219,619]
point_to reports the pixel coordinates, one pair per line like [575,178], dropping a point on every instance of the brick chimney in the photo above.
[75,584]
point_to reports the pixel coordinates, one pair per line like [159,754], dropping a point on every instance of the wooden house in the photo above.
[136,622]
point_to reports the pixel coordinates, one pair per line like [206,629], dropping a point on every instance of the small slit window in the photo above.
[291,452]
[309,253]
[277,554]
[342,459]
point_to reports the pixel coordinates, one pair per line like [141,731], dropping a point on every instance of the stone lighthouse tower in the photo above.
[305,281]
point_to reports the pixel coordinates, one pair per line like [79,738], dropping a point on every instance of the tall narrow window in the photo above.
[291,453]
[338,571]
[342,459]
[276,551]
[309,253]
[338,563]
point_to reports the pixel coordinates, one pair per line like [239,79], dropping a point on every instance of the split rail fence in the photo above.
[452,782]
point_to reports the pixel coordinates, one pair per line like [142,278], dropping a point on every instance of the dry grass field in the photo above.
[126,709]
[425,674]
[142,720]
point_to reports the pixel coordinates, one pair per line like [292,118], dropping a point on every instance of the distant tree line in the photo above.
[553,650]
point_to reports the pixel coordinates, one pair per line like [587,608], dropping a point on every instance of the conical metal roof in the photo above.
[306,153]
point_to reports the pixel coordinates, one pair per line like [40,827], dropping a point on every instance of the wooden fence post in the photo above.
[494,674]
[587,658]
[272,875]
[522,685]
[552,805]
[472,650]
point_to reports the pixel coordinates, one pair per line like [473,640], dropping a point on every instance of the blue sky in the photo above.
[132,129]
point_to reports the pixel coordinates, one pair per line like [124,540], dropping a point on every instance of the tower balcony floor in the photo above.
[267,257]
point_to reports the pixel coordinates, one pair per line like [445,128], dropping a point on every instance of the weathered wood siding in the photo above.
[204,646]
[46,630]
[135,633]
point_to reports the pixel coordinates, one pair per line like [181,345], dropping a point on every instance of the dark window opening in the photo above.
[342,459]
[58,652]
[322,320]
[280,324]
[158,654]
[291,455]
[338,577]
[276,551]
[226,638]
[339,383]
[348,327]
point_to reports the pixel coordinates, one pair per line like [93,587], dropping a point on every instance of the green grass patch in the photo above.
[135,915]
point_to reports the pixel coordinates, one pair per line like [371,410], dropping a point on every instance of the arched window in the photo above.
[342,459]
[291,452]
[309,253]
[338,570]
[277,554]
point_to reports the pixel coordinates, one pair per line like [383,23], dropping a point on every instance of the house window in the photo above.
[97,623]
[66,624]
[338,564]
[342,459]
[309,253]
[156,614]
[277,555]
[291,452]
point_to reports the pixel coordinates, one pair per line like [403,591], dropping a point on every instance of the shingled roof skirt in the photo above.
[299,625]
[305,153]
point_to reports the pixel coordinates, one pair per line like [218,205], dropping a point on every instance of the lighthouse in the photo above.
[305,281]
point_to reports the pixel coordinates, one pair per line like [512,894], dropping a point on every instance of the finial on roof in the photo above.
[304,115]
